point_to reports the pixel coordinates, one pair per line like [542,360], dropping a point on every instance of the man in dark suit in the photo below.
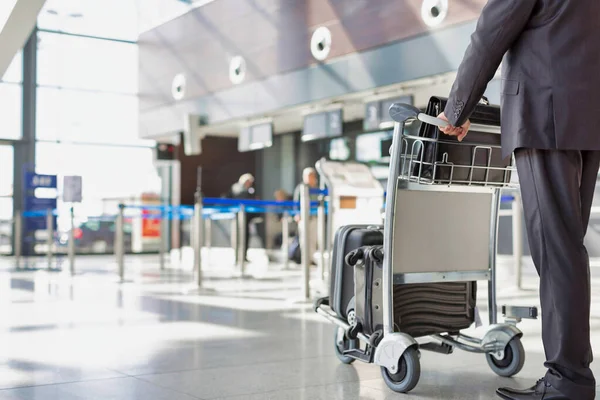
[550,120]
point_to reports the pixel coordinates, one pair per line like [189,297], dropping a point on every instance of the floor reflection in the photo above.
[153,338]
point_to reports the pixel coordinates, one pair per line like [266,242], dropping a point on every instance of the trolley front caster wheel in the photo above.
[513,361]
[408,374]
[346,345]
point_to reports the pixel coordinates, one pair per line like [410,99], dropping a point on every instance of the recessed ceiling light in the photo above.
[320,43]
[433,12]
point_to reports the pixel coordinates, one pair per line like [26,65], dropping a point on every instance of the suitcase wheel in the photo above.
[408,374]
[346,344]
[513,361]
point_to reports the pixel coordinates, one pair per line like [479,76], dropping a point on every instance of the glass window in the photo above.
[83,63]
[6,171]
[108,172]
[91,117]
[10,104]
[115,19]
[6,201]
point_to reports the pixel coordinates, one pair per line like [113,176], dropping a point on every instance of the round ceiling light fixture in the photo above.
[237,70]
[320,43]
[178,87]
[433,12]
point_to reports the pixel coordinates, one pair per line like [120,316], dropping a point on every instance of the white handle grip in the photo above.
[428,119]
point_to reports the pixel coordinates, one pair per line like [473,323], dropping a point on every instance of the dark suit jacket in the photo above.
[550,74]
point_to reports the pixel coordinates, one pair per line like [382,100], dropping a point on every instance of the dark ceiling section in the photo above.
[273,36]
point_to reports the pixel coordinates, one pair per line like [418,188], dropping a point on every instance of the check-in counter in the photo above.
[354,195]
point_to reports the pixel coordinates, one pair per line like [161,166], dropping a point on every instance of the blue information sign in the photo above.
[35,181]
[35,208]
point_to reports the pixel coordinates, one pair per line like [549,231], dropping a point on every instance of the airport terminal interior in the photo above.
[182,182]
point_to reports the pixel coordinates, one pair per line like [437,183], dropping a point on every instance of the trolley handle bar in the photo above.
[428,119]
[401,112]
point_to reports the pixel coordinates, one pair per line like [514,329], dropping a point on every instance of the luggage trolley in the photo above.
[441,220]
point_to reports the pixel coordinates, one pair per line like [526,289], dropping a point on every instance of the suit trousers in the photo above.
[557,187]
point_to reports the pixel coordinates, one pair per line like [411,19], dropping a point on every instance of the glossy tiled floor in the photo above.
[152,339]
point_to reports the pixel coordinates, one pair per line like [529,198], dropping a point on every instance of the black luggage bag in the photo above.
[478,149]
[419,309]
[348,238]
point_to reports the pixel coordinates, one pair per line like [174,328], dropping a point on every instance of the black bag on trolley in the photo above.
[419,309]
[453,158]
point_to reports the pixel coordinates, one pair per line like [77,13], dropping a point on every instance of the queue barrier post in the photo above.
[305,239]
[321,236]
[241,245]
[208,236]
[285,239]
[164,232]
[50,236]
[234,238]
[71,245]
[120,242]
[197,229]
[18,237]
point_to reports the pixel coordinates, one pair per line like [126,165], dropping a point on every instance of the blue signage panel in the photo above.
[35,208]
[34,181]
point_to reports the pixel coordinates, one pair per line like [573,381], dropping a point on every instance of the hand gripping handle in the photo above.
[402,112]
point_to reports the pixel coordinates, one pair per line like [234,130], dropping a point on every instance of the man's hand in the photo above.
[459,131]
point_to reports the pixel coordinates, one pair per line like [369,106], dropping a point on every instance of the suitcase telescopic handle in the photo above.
[403,112]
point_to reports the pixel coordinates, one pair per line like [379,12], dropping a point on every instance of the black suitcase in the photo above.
[348,238]
[420,309]
[368,287]
[480,149]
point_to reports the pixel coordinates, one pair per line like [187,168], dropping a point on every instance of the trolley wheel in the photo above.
[513,361]
[339,350]
[409,372]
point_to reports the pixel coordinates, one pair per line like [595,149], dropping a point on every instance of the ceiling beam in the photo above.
[19,22]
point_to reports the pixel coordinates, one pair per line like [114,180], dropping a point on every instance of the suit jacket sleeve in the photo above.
[500,24]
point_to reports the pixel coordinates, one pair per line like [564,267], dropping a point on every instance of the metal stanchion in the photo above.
[208,236]
[321,236]
[517,236]
[71,246]
[162,245]
[241,245]
[197,228]
[18,237]
[120,242]
[234,238]
[305,239]
[285,239]
[50,232]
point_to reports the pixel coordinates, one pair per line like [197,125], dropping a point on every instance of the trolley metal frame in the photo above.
[391,351]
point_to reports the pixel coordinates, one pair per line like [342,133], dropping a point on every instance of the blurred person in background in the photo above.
[310,178]
[243,189]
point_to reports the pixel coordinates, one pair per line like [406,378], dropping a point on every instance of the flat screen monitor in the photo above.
[255,137]
[322,125]
[369,146]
